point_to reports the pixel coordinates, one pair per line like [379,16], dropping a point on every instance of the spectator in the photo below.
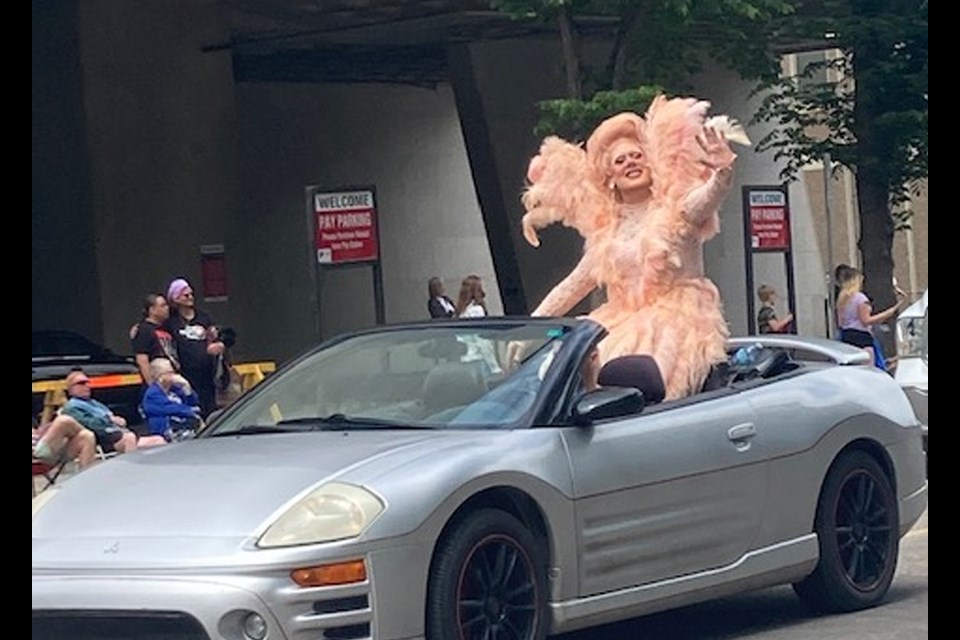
[150,339]
[590,370]
[767,321]
[439,303]
[840,275]
[472,300]
[471,304]
[169,403]
[855,316]
[65,439]
[198,342]
[110,430]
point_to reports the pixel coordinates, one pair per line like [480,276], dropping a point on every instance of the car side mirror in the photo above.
[609,402]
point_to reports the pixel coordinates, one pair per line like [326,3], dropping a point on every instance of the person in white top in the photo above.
[471,302]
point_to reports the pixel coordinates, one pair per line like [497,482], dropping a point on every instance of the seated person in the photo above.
[170,405]
[590,371]
[110,429]
[64,439]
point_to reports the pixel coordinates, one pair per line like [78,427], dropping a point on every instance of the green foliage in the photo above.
[575,119]
[876,127]
[657,43]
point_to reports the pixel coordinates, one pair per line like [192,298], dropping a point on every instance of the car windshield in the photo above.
[444,376]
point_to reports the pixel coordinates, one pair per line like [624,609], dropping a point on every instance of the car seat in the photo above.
[451,384]
[639,371]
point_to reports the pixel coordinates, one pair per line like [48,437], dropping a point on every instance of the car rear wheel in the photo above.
[487,581]
[857,527]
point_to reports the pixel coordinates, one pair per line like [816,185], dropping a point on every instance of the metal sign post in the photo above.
[766,229]
[831,312]
[346,233]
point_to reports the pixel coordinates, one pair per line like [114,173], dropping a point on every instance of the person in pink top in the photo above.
[855,315]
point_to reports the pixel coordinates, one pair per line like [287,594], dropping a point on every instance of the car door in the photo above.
[666,493]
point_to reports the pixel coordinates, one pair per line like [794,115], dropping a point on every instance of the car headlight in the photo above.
[334,511]
[910,337]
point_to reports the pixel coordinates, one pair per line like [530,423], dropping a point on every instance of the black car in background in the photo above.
[57,352]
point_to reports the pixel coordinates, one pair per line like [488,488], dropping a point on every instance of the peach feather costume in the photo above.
[648,256]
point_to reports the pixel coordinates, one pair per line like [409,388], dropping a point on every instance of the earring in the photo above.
[611,185]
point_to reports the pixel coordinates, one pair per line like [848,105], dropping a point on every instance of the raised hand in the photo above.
[717,152]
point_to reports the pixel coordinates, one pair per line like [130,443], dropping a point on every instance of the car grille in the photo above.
[116,625]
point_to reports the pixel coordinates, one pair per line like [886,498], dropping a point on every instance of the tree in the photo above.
[656,46]
[869,114]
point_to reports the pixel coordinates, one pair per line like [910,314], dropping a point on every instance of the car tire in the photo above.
[857,526]
[488,579]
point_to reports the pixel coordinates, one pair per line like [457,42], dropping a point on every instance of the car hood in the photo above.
[214,492]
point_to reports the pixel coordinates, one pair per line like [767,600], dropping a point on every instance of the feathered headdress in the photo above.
[567,183]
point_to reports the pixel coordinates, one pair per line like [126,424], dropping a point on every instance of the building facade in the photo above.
[152,145]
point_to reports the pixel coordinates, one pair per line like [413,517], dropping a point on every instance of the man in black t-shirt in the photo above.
[150,339]
[198,343]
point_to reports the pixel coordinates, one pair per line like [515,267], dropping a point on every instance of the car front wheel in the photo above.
[857,527]
[487,581]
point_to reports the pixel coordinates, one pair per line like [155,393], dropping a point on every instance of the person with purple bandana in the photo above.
[198,342]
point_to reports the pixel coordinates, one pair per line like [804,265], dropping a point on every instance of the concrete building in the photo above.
[180,138]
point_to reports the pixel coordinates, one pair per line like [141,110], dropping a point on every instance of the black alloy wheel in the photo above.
[487,582]
[857,527]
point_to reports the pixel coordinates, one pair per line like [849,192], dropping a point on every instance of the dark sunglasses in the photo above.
[85,383]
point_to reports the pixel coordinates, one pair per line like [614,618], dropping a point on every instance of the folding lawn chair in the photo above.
[47,471]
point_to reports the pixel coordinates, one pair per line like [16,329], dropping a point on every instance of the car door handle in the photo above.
[742,432]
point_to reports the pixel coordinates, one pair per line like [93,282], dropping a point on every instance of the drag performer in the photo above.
[645,195]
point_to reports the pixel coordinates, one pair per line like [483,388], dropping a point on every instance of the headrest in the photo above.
[448,348]
[452,384]
[639,371]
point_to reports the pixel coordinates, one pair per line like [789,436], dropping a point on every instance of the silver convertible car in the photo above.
[413,482]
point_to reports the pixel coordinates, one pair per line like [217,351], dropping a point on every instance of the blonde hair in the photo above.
[622,126]
[852,284]
[765,292]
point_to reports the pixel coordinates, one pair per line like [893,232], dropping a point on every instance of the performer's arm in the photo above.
[706,199]
[703,201]
[568,292]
